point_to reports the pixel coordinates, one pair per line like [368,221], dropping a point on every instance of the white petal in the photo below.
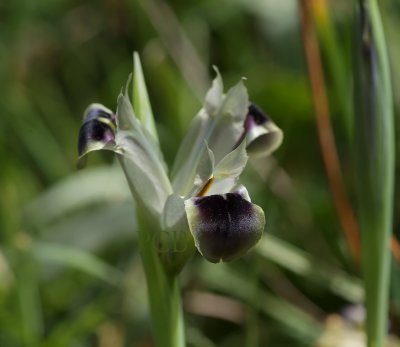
[141,161]
[213,98]
[220,127]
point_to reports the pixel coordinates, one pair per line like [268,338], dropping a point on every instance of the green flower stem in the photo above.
[162,285]
[374,134]
[163,288]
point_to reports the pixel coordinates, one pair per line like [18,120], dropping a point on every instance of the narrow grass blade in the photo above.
[374,135]
[77,326]
[303,264]
[196,338]
[27,287]
[298,323]
[76,258]
[325,133]
[337,69]
[62,198]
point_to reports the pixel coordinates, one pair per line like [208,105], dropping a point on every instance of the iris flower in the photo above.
[202,196]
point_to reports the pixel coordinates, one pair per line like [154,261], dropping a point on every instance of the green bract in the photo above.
[202,195]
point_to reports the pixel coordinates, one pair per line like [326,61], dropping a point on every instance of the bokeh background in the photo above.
[70,272]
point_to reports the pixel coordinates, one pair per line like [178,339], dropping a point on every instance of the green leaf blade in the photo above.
[374,135]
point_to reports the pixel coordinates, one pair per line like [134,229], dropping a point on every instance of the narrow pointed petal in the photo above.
[219,123]
[141,160]
[214,96]
[205,168]
[226,173]
[97,131]
[126,118]
[141,100]
[224,227]
[262,134]
[233,163]
[228,122]
[138,152]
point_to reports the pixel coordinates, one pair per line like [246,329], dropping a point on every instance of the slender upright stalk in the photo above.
[325,134]
[162,283]
[337,70]
[374,135]
[162,288]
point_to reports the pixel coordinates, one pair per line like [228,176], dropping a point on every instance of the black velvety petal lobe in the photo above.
[98,128]
[96,111]
[224,227]
[94,131]
[257,115]
[262,135]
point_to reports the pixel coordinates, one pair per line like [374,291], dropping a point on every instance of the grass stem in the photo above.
[324,128]
[375,159]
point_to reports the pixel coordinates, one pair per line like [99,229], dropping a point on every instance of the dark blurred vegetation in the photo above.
[70,273]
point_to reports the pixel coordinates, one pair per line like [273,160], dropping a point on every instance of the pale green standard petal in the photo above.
[226,173]
[219,123]
[142,162]
[141,103]
[214,96]
[233,163]
[139,154]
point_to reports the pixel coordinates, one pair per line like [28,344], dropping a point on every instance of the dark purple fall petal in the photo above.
[224,227]
[256,115]
[98,126]
[93,130]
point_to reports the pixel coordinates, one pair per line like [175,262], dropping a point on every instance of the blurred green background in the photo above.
[70,272]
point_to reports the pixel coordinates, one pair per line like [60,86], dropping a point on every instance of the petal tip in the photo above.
[262,134]
[97,130]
